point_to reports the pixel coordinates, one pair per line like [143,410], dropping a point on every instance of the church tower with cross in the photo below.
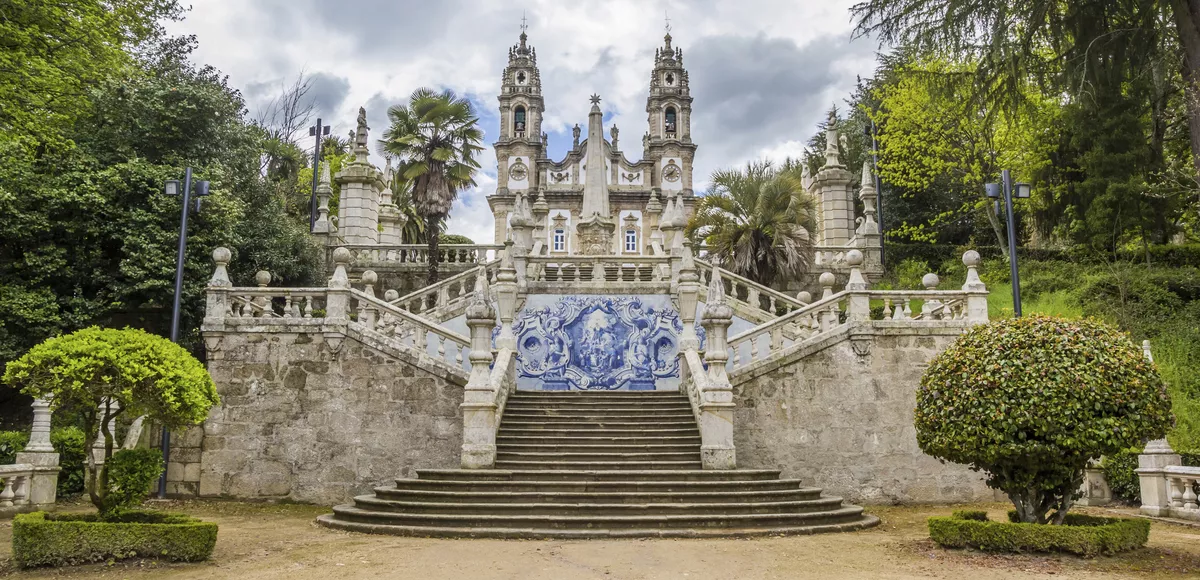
[595,200]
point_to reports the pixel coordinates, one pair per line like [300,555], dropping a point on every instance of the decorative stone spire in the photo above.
[868,195]
[595,188]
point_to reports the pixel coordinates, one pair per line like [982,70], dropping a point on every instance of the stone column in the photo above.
[716,407]
[506,298]
[1155,492]
[324,191]
[688,296]
[361,183]
[366,312]
[479,397]
[828,315]
[868,235]
[859,307]
[831,185]
[977,310]
[43,486]
[337,301]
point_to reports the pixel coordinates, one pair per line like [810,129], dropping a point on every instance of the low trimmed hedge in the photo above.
[1079,534]
[42,539]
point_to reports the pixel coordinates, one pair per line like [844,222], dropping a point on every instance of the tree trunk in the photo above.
[1187,24]
[431,233]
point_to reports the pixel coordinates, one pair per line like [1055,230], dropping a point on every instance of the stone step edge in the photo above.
[636,485]
[867,521]
[846,511]
[516,455]
[656,472]
[829,501]
[606,494]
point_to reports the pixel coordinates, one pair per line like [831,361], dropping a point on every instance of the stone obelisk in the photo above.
[596,226]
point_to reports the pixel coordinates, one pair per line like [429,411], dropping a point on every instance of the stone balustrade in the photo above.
[438,300]
[378,255]
[246,305]
[16,480]
[1168,488]
[744,292]
[32,482]
[410,330]
[598,268]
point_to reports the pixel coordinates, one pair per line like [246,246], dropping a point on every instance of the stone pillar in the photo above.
[977,310]
[337,301]
[1155,492]
[541,209]
[716,407]
[366,312]
[932,306]
[868,235]
[324,191]
[479,398]
[43,486]
[859,307]
[687,296]
[361,183]
[828,315]
[831,185]
[506,298]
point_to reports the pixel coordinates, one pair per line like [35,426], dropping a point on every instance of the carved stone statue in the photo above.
[575,132]
[614,132]
[545,140]
[361,133]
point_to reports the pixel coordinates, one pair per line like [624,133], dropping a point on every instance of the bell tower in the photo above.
[669,111]
[521,106]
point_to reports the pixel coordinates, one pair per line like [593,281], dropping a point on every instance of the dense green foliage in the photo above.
[102,374]
[41,539]
[1030,401]
[435,138]
[131,472]
[758,221]
[1083,535]
[67,441]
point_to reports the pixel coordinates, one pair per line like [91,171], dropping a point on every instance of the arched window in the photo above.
[669,125]
[519,120]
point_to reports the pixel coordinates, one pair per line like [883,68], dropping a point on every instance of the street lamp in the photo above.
[1008,190]
[319,131]
[173,188]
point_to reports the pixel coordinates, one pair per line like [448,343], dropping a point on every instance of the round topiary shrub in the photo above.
[1030,401]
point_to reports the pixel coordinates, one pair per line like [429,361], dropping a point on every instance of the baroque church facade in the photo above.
[595,200]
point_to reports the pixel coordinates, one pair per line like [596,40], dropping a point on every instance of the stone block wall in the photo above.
[843,421]
[183,468]
[304,421]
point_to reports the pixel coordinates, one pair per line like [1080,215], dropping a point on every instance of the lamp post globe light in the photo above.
[174,188]
[1007,190]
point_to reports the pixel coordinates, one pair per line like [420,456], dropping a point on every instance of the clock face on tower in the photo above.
[671,172]
[518,172]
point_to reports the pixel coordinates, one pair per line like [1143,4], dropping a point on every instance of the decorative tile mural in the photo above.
[598,343]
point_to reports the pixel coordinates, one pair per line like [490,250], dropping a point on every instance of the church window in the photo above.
[560,240]
[669,125]
[519,121]
[521,77]
[630,241]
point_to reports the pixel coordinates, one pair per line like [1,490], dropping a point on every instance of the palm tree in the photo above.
[759,222]
[434,139]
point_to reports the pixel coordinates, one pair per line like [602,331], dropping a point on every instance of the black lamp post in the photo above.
[1008,190]
[320,132]
[173,188]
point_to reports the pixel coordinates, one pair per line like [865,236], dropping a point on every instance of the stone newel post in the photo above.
[367,313]
[716,406]
[337,300]
[828,315]
[217,295]
[506,298]
[977,310]
[689,294]
[43,486]
[1155,492]
[479,397]
[859,307]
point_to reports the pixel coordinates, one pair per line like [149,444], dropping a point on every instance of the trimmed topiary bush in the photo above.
[1080,534]
[131,472]
[41,539]
[1030,401]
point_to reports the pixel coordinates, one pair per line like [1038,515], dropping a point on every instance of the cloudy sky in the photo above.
[763,72]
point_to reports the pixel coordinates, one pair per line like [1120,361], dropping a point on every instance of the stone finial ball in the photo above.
[827,279]
[804,296]
[222,255]
[930,280]
[263,277]
[370,277]
[854,258]
[341,255]
[391,295]
[971,259]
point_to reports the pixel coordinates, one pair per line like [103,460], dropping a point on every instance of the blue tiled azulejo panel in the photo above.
[598,343]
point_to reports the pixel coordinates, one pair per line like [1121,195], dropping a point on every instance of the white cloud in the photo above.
[763,72]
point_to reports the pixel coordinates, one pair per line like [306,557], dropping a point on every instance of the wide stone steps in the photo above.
[597,465]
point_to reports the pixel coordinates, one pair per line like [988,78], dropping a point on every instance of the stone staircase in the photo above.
[597,464]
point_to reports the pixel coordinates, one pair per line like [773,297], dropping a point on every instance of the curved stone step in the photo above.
[556,508]
[599,475]
[588,486]
[561,495]
[866,521]
[845,514]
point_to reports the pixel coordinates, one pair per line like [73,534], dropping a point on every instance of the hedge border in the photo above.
[1080,534]
[41,539]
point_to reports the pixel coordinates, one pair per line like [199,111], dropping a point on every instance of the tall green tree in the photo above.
[758,221]
[435,139]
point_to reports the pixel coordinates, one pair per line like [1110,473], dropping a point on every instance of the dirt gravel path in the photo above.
[267,541]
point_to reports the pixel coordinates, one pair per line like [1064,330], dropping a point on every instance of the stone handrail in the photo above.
[768,301]
[435,299]
[936,304]
[832,255]
[411,330]
[598,268]
[389,255]
[798,325]
[247,304]
[14,492]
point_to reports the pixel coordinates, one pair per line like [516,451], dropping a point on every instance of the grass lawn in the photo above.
[259,541]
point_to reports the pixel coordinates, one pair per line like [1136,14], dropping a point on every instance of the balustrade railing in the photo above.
[768,339]
[453,291]
[14,491]
[917,305]
[599,268]
[247,304]
[829,256]
[392,255]
[410,330]
[768,301]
